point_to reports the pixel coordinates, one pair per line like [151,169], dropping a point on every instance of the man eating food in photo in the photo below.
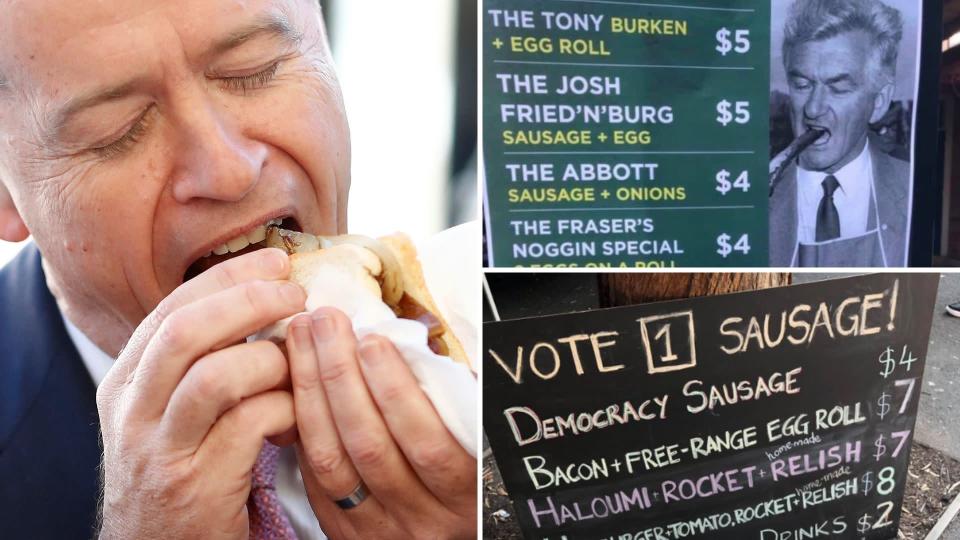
[842,201]
[147,148]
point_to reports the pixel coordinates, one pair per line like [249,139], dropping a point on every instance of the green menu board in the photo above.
[626,134]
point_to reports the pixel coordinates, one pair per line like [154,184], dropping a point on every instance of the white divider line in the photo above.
[945,518]
[635,153]
[674,6]
[632,209]
[638,66]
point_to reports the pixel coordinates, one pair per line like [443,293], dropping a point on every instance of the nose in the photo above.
[816,104]
[218,161]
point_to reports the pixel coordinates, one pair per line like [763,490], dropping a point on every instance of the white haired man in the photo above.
[843,202]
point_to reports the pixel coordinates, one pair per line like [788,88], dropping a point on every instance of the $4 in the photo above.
[883,403]
[724,185]
[724,248]
[890,363]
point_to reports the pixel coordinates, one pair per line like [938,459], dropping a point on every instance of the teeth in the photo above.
[237,244]
[257,235]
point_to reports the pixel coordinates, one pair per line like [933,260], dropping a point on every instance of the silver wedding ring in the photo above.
[355,497]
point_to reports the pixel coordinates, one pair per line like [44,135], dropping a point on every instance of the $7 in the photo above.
[884,402]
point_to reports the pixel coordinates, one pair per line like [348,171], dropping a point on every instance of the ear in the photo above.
[12,227]
[881,102]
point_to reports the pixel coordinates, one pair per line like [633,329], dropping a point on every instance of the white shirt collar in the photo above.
[96,361]
[852,198]
[853,177]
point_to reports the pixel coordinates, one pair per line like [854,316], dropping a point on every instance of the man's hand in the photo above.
[361,415]
[185,409]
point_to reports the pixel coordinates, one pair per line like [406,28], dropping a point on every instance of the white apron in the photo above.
[864,250]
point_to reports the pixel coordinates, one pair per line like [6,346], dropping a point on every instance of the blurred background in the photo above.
[409,80]
[948,204]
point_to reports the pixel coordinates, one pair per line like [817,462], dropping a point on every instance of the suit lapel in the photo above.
[891,200]
[27,311]
[783,219]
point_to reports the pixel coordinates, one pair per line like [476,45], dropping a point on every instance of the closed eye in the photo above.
[127,140]
[133,135]
[251,82]
[841,88]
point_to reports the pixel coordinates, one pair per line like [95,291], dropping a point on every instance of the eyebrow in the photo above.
[270,24]
[266,25]
[845,77]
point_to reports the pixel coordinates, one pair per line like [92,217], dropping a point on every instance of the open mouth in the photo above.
[251,240]
[824,137]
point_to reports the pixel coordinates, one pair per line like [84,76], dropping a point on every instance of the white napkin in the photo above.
[451,268]
[451,277]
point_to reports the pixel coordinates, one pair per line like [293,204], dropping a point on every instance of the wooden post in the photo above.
[626,289]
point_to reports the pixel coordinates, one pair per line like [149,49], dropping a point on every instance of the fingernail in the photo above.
[273,261]
[322,327]
[301,336]
[291,293]
[370,351]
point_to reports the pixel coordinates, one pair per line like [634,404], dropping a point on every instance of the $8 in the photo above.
[740,114]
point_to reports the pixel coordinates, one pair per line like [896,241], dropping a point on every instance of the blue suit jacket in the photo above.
[49,428]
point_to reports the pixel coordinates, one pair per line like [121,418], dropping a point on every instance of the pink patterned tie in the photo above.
[267,520]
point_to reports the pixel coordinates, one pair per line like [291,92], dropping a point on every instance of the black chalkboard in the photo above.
[601,428]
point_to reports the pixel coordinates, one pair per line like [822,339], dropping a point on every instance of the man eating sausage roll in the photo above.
[149,148]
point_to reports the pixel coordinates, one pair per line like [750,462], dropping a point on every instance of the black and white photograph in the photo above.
[843,86]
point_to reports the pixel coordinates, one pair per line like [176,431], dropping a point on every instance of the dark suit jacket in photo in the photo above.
[891,178]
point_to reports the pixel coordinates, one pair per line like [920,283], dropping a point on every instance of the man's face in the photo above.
[831,89]
[140,135]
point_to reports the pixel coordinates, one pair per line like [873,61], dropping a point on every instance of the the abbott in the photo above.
[843,202]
